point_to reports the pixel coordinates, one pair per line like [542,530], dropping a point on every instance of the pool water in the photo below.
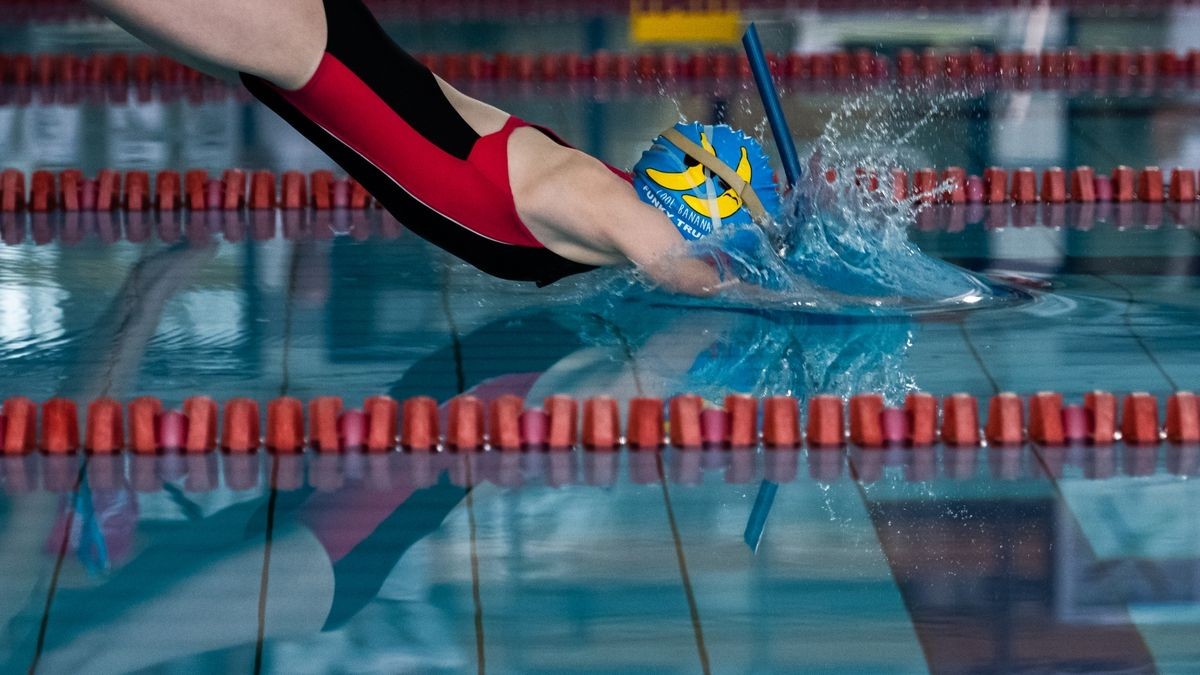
[948,560]
[906,560]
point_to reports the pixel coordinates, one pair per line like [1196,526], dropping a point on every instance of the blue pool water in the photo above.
[949,560]
[978,560]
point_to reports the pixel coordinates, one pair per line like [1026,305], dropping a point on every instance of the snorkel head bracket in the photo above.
[706,176]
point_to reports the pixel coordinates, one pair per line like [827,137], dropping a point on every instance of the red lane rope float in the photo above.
[144,426]
[69,205]
[1070,68]
[508,10]
[1125,184]
[630,89]
[71,191]
[203,473]
[235,226]
[197,190]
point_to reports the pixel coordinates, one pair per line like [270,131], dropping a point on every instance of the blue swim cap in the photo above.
[701,175]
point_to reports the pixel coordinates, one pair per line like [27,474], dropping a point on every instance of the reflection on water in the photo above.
[1013,552]
[357,318]
[951,559]
[714,351]
[1078,559]
[109,478]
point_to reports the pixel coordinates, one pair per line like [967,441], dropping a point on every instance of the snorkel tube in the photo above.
[791,168]
[770,99]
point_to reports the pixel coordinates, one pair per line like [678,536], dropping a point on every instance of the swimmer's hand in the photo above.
[648,239]
[680,273]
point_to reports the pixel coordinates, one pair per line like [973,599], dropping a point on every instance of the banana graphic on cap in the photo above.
[728,202]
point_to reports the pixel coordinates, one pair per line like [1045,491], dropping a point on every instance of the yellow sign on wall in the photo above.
[698,21]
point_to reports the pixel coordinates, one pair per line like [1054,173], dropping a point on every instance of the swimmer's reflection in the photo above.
[91,517]
[340,533]
[345,521]
[111,352]
[95,527]
[640,350]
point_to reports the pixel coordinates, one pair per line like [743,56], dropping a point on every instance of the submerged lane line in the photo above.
[273,494]
[461,385]
[1127,315]
[680,557]
[480,653]
[926,644]
[265,577]
[1137,650]
[966,336]
[44,624]
[1056,488]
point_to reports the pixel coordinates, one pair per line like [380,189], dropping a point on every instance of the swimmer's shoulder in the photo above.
[565,197]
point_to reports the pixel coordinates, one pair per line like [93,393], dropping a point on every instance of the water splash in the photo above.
[841,243]
[793,354]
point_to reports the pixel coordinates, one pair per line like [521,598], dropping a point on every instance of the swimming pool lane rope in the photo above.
[114,76]
[50,11]
[235,190]
[144,426]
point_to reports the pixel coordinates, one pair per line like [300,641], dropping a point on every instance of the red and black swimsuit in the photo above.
[381,115]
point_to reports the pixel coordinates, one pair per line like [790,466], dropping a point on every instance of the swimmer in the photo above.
[506,196]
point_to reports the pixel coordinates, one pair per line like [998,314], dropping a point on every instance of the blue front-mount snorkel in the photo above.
[771,104]
[761,70]
[791,168]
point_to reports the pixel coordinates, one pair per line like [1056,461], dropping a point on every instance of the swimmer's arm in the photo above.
[648,239]
[579,209]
